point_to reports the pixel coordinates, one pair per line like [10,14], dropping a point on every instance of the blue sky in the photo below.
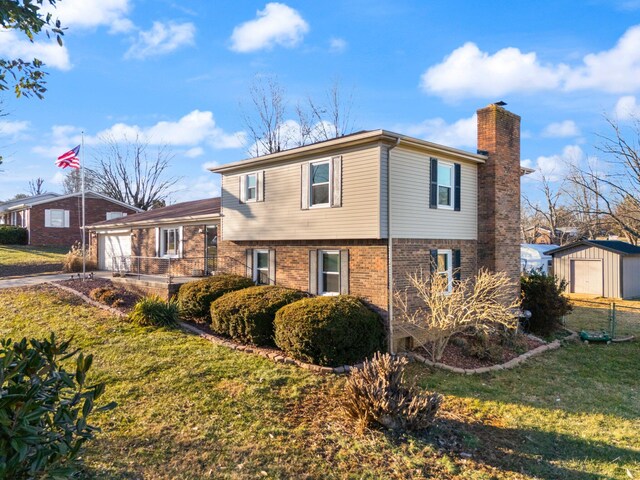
[178,72]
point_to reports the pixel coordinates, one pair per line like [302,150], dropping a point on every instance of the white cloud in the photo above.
[194,152]
[161,39]
[461,133]
[627,108]
[277,24]
[337,45]
[13,128]
[554,167]
[192,129]
[566,128]
[58,177]
[202,186]
[61,139]
[468,71]
[86,14]
[207,165]
[52,54]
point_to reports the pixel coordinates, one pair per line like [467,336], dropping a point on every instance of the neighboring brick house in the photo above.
[358,214]
[56,220]
[184,235]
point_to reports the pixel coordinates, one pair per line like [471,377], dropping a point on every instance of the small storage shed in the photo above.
[533,256]
[606,268]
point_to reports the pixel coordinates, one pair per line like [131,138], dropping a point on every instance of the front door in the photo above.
[211,248]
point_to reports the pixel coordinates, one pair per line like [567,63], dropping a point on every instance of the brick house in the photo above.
[358,214]
[183,236]
[56,220]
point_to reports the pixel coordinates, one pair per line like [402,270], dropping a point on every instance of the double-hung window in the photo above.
[261,267]
[328,272]
[252,187]
[56,218]
[320,174]
[445,185]
[170,242]
[444,267]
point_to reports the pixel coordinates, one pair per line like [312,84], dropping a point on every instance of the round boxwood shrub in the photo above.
[329,331]
[247,315]
[195,298]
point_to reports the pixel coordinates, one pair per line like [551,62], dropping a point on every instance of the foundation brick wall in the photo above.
[95,211]
[499,191]
[411,256]
[368,274]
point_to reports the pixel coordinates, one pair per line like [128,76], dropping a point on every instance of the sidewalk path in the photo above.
[35,280]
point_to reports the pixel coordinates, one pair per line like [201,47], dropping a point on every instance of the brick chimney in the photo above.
[499,190]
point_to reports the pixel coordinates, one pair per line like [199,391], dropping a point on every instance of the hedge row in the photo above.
[10,235]
[328,331]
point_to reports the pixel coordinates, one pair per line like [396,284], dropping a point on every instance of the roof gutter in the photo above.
[163,221]
[390,248]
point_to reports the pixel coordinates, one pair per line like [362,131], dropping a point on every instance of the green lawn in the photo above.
[20,259]
[189,409]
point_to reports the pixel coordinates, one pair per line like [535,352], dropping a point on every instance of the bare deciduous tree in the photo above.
[551,210]
[35,186]
[269,129]
[72,182]
[614,190]
[128,172]
[480,304]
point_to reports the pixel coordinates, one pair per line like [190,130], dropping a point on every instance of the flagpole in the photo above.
[84,250]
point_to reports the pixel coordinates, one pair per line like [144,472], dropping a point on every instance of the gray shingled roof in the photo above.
[616,246]
[179,211]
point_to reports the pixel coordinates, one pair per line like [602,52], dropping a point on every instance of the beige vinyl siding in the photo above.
[610,267]
[411,216]
[631,277]
[280,216]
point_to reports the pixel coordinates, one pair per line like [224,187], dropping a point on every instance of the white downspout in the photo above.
[390,247]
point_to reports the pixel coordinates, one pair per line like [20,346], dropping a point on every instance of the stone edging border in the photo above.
[275,356]
[494,368]
[279,357]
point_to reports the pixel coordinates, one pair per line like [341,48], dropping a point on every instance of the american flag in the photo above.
[69,159]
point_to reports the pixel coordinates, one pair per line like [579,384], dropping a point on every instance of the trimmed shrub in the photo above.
[329,331]
[377,394]
[10,235]
[248,314]
[153,311]
[543,296]
[195,298]
[44,409]
[72,261]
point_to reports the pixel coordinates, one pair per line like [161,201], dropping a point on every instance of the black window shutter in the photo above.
[456,265]
[433,263]
[433,184]
[456,187]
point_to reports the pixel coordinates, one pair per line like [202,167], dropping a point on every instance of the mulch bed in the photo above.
[456,356]
[129,299]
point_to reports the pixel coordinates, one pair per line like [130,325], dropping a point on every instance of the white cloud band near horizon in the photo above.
[470,72]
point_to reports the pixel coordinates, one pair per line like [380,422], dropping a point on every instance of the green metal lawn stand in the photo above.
[602,336]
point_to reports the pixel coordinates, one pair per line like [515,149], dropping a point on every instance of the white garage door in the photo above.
[586,276]
[110,246]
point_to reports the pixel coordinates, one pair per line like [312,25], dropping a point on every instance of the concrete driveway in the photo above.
[27,281]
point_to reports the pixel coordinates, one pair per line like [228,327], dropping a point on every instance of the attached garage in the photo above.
[604,268]
[113,245]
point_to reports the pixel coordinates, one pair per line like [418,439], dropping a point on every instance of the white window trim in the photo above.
[452,187]
[163,247]
[329,183]
[449,271]
[65,217]
[321,290]
[118,215]
[246,187]
[256,270]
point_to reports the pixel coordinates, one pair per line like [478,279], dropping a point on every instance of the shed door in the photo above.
[586,276]
[110,246]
